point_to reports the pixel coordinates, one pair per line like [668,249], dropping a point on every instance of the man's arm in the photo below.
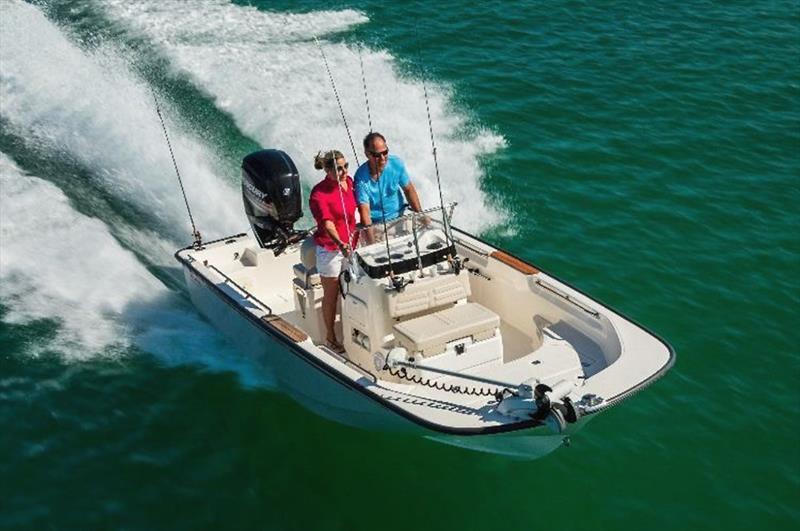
[364,214]
[411,196]
[366,221]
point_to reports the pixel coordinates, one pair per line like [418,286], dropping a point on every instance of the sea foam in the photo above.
[62,266]
[265,69]
[88,107]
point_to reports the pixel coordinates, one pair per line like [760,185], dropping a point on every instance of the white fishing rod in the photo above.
[433,143]
[364,82]
[332,152]
[397,283]
[338,101]
[344,207]
[352,145]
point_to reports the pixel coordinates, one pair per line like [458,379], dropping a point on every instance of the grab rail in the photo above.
[568,298]
[471,247]
[247,294]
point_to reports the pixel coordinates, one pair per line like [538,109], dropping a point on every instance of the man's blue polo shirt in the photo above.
[388,189]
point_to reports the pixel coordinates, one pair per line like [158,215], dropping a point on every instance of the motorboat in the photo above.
[445,335]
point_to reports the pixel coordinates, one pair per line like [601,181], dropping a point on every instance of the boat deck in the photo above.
[548,333]
[555,360]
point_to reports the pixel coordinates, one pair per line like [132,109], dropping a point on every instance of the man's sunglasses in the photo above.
[376,154]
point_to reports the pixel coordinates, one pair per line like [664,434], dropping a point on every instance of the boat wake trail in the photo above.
[82,249]
[87,107]
[60,265]
[266,71]
[85,239]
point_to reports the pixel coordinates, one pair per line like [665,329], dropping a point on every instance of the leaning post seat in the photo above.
[428,294]
[306,270]
[309,278]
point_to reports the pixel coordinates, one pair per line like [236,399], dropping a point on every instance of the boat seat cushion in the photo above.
[427,294]
[308,253]
[430,334]
[309,277]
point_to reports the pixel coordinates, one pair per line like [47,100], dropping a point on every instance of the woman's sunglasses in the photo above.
[343,168]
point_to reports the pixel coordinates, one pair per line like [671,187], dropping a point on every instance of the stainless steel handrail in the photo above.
[568,298]
[471,247]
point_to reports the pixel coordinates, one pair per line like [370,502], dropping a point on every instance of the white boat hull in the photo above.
[442,334]
[308,385]
[485,337]
[315,390]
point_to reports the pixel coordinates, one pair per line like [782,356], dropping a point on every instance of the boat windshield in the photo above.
[413,241]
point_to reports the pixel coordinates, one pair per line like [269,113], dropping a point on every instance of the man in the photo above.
[382,184]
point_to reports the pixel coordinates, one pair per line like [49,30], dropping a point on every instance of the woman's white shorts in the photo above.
[329,263]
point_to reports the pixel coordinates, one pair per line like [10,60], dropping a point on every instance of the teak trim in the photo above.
[285,328]
[514,263]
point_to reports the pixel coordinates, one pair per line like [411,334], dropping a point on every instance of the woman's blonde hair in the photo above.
[327,160]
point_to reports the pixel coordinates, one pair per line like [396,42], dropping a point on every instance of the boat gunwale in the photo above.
[348,382]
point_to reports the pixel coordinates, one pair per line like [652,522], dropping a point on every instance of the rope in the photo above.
[195,233]
[338,101]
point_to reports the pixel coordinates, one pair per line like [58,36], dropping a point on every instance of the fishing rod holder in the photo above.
[198,240]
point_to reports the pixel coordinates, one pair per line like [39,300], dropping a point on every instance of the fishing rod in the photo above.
[338,101]
[433,142]
[364,82]
[398,284]
[395,283]
[195,233]
[341,198]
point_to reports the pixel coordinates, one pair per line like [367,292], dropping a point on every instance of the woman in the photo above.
[333,205]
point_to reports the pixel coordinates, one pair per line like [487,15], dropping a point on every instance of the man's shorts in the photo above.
[329,263]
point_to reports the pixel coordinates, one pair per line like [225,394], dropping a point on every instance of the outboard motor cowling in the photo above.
[272,198]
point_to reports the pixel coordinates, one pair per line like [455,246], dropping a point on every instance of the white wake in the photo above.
[62,266]
[88,107]
[265,70]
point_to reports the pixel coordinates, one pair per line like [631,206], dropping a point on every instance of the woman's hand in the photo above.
[345,248]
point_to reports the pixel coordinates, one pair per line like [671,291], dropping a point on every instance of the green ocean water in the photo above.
[647,153]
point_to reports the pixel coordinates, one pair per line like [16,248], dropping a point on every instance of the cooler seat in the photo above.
[430,333]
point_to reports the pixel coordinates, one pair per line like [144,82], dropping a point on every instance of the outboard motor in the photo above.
[272,198]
